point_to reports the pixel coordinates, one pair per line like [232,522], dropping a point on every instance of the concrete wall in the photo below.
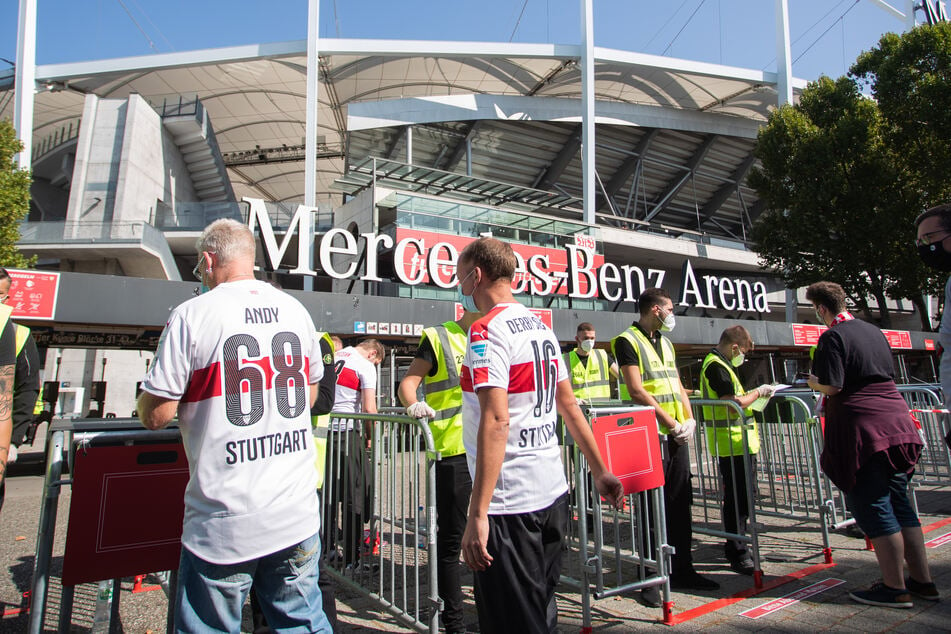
[80,367]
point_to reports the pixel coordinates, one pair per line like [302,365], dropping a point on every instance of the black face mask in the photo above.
[935,256]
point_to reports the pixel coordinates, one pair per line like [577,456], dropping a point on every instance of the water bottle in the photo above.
[103,613]
[421,528]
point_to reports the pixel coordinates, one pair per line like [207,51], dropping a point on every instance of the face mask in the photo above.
[587,345]
[738,360]
[819,318]
[935,256]
[468,303]
[669,322]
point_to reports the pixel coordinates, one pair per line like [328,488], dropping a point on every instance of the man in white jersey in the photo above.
[514,385]
[355,393]
[239,365]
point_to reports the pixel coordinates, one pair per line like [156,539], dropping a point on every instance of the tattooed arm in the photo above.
[6,414]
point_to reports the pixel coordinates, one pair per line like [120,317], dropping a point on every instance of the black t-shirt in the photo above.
[718,378]
[853,354]
[426,353]
[8,345]
[327,388]
[626,352]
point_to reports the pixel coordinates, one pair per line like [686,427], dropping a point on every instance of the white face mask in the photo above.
[738,360]
[668,322]
[587,345]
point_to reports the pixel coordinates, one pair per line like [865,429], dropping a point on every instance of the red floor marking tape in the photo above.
[24,607]
[793,597]
[936,525]
[713,606]
[939,541]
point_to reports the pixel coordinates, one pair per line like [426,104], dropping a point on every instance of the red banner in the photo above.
[806,334]
[540,270]
[900,339]
[33,294]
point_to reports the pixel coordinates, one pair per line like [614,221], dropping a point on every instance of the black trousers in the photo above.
[517,592]
[735,501]
[349,496]
[453,488]
[678,498]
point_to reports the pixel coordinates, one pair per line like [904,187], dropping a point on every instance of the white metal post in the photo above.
[587,109]
[310,125]
[25,81]
[783,54]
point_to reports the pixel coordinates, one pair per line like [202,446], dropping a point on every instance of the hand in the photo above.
[474,542]
[610,489]
[421,409]
[765,391]
[581,402]
[686,431]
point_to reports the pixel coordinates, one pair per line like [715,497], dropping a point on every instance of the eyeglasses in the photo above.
[925,240]
[198,265]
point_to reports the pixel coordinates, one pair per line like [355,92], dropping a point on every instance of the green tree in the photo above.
[14,198]
[838,204]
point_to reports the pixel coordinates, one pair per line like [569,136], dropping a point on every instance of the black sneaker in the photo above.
[742,565]
[692,580]
[650,596]
[926,591]
[883,596]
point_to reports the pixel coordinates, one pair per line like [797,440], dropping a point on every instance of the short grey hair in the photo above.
[229,239]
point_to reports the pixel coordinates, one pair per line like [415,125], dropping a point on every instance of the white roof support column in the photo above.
[587,109]
[310,116]
[783,54]
[310,124]
[25,81]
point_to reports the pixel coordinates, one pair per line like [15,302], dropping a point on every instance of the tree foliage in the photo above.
[843,176]
[14,198]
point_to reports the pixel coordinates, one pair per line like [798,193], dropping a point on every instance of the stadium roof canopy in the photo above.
[674,137]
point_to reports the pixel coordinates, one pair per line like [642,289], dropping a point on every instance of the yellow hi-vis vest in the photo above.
[321,424]
[591,381]
[443,391]
[658,374]
[724,439]
[22,333]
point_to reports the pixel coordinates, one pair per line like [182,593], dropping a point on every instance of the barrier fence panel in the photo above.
[378,513]
[934,465]
[726,474]
[615,552]
[125,472]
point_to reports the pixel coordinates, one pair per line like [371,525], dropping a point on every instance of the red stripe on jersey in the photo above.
[522,378]
[479,331]
[204,384]
[465,379]
[348,378]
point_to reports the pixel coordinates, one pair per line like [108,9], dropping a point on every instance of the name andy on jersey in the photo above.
[263,447]
[265,315]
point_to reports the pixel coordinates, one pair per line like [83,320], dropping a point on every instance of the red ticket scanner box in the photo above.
[630,447]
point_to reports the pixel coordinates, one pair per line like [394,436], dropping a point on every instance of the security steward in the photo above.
[590,368]
[726,432]
[436,366]
[649,370]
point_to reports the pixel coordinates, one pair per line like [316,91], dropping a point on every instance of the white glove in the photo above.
[581,402]
[12,454]
[765,391]
[421,409]
[686,431]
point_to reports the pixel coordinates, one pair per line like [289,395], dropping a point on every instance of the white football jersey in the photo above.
[355,373]
[239,359]
[510,348]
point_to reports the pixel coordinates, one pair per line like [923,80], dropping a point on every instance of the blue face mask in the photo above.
[468,303]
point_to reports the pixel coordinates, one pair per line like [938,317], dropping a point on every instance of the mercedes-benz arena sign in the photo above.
[420,257]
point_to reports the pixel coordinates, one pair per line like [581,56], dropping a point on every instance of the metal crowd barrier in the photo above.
[615,552]
[378,513]
[722,483]
[124,455]
[924,402]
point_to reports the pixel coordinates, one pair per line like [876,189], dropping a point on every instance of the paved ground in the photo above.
[789,550]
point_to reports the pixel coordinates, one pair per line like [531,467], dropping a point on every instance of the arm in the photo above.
[7,372]
[323,402]
[613,370]
[606,482]
[156,412]
[743,400]
[491,442]
[407,391]
[635,387]
[828,390]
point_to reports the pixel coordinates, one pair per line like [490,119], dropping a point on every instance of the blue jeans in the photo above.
[879,500]
[209,597]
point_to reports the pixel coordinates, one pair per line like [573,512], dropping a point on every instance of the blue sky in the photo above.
[827,34]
